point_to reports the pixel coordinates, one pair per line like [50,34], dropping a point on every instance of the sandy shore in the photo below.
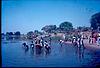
[92,47]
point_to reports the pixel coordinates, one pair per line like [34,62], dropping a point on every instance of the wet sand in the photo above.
[93,47]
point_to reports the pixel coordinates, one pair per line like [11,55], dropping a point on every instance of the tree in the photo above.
[86,28]
[30,35]
[66,26]
[95,21]
[9,35]
[80,28]
[49,28]
[17,35]
[37,32]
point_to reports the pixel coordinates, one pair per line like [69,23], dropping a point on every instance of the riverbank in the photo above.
[92,47]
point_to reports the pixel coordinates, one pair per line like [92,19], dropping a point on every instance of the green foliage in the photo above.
[30,34]
[36,32]
[95,21]
[83,28]
[17,35]
[9,35]
[49,28]
[66,26]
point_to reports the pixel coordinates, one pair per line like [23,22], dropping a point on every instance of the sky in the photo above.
[30,15]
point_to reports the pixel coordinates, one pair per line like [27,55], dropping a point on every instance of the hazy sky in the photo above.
[30,15]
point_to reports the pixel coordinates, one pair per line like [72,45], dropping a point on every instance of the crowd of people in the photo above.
[94,39]
[39,44]
[78,41]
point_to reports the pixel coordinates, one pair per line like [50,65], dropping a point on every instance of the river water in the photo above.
[13,55]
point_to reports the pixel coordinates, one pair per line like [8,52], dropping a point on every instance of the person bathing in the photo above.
[25,46]
[38,43]
[61,41]
[32,44]
[47,46]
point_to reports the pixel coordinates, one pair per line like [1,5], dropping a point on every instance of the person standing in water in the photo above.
[61,42]
[81,42]
[47,46]
[38,46]
[89,39]
[74,41]
[25,46]
[42,41]
[78,42]
[98,40]
[49,40]
[32,44]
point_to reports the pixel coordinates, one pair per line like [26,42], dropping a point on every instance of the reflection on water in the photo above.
[10,41]
[36,51]
[80,53]
[47,52]
[59,56]
[26,50]
[32,51]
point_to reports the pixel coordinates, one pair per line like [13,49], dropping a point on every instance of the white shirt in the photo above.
[74,40]
[45,43]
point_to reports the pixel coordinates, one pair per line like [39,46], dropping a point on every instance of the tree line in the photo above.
[62,28]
